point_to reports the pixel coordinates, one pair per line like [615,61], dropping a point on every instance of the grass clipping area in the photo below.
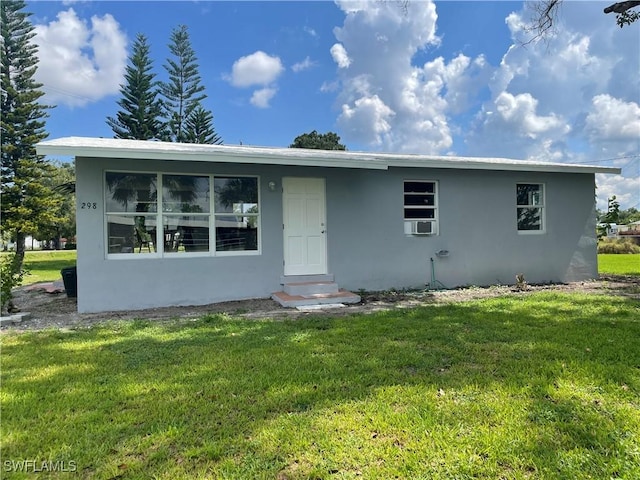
[542,386]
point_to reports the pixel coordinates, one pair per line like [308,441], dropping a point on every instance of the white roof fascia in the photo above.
[478,163]
[151,150]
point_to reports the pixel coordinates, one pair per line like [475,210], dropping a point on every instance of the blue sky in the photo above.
[439,78]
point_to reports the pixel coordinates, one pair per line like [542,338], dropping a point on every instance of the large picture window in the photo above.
[530,207]
[150,214]
[421,207]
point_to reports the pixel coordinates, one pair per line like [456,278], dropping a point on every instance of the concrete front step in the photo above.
[341,296]
[286,279]
[306,289]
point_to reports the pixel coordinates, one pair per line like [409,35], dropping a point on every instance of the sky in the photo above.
[440,78]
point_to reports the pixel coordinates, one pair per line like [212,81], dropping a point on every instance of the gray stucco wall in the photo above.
[366,244]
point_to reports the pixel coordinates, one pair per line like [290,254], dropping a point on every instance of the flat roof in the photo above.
[153,150]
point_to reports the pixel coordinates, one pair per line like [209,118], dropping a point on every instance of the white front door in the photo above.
[305,246]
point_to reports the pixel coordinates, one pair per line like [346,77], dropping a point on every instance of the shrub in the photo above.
[11,277]
[69,246]
[617,245]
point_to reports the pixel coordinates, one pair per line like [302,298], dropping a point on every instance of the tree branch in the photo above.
[621,7]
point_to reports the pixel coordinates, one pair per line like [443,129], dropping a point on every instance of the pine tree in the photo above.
[199,128]
[141,112]
[183,92]
[26,200]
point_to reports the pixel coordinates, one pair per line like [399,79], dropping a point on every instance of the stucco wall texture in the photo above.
[366,244]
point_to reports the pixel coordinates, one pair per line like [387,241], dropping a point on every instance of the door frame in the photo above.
[323,226]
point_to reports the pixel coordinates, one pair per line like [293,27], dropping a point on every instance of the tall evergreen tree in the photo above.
[183,92]
[140,116]
[26,200]
[62,174]
[199,128]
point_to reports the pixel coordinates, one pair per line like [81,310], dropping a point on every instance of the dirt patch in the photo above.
[56,310]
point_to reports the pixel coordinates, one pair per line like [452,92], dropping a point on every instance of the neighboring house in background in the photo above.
[634,226]
[611,229]
[162,224]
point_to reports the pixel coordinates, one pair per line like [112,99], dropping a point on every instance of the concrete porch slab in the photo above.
[342,296]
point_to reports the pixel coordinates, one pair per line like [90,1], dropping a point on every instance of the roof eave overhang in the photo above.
[105,148]
[262,157]
[508,165]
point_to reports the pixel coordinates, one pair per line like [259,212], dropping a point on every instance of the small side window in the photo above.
[530,207]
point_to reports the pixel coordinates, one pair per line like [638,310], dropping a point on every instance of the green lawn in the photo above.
[619,264]
[45,266]
[538,386]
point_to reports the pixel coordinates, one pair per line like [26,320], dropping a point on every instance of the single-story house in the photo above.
[162,224]
[611,229]
[634,226]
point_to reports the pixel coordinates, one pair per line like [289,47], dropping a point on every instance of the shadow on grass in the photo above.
[540,384]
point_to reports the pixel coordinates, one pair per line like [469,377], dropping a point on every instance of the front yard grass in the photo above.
[544,386]
[619,263]
[45,266]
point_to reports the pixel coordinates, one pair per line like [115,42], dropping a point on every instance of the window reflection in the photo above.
[530,205]
[131,234]
[185,194]
[186,233]
[131,192]
[237,196]
[184,213]
[236,233]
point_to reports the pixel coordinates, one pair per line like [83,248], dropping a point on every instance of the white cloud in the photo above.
[78,63]
[386,102]
[306,64]
[262,97]
[626,189]
[572,98]
[329,87]
[256,69]
[613,119]
[520,111]
[340,55]
[367,121]
[310,31]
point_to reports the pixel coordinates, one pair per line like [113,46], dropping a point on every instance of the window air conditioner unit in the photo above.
[421,227]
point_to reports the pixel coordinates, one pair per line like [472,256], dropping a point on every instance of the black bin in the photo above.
[70,279]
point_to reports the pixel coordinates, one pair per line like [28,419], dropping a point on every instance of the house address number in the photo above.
[89,205]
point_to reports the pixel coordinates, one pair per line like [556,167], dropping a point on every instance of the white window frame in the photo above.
[435,207]
[542,207]
[159,214]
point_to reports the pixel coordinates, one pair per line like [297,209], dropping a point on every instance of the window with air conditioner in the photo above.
[420,207]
